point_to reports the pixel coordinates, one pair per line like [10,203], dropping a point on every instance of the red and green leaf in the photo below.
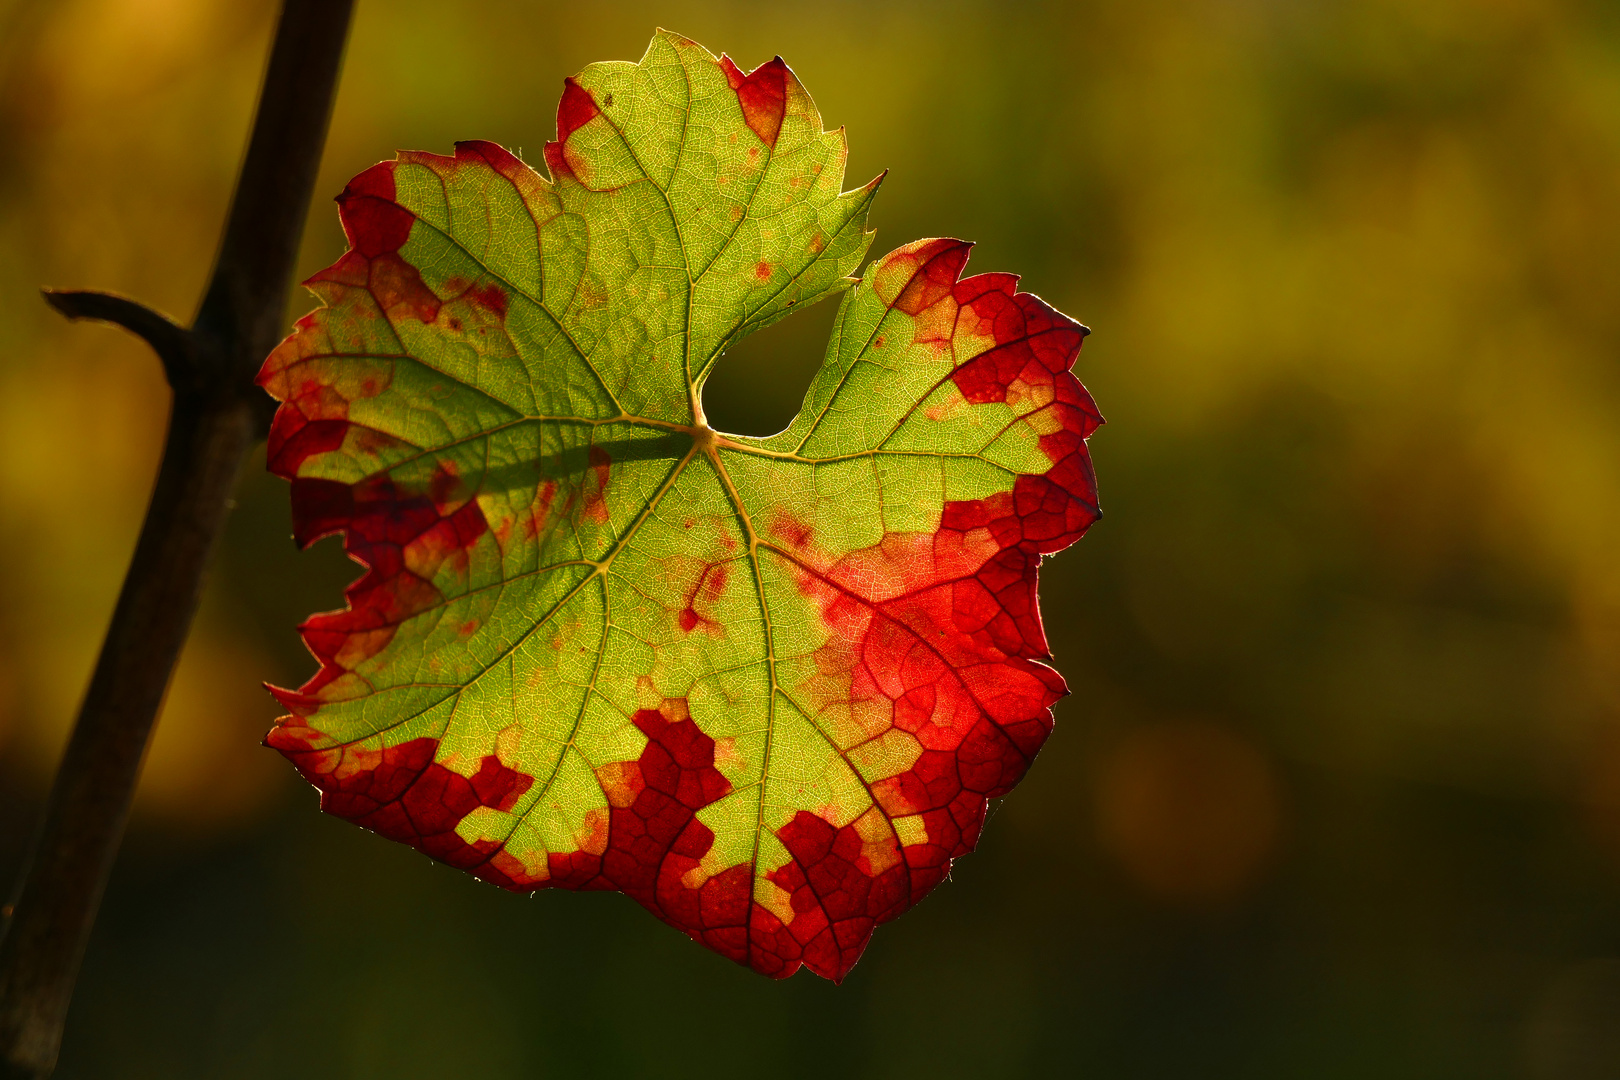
[764,686]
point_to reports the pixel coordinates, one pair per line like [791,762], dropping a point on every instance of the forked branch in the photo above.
[217,416]
[170,340]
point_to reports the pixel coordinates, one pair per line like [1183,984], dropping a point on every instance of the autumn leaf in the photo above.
[763,686]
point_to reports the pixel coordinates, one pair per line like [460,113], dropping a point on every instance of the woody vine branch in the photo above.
[217,416]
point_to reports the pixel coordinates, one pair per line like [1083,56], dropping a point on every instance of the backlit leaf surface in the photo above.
[763,686]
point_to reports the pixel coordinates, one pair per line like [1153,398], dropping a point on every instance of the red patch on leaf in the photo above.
[556,161]
[1035,347]
[595,509]
[489,296]
[655,842]
[377,227]
[384,530]
[938,264]
[711,583]
[444,483]
[399,289]
[576,109]
[786,527]
[496,156]
[762,93]
[295,437]
[402,793]
[942,632]
[374,223]
[837,893]
[653,849]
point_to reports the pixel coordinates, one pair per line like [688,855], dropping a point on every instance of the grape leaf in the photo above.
[763,686]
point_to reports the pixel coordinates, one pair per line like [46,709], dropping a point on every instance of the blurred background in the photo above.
[1337,793]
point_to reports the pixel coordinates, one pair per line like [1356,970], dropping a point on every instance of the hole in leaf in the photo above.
[759,383]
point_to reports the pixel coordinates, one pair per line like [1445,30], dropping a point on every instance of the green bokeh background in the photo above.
[1338,790]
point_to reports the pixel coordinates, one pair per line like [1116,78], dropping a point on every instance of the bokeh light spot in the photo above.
[1191,809]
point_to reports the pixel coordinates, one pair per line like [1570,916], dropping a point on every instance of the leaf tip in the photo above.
[373,221]
[762,94]
[576,109]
